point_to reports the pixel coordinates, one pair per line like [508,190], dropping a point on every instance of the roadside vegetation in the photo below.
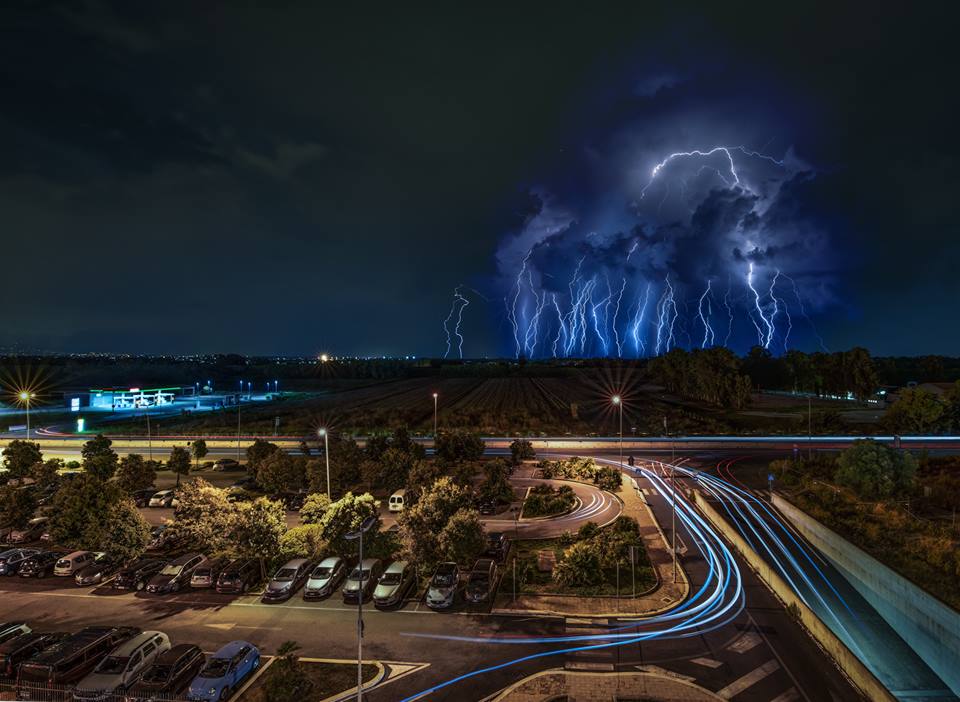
[290,679]
[584,470]
[548,501]
[899,509]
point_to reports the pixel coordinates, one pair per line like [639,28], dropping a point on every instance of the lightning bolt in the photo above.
[616,313]
[512,307]
[726,303]
[457,307]
[756,302]
[705,319]
[731,179]
[803,312]
[638,344]
[666,317]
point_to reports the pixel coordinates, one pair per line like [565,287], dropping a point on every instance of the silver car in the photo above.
[395,584]
[443,586]
[287,580]
[361,581]
[325,578]
[122,667]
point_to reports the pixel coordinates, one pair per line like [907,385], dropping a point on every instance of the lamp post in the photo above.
[358,534]
[673,501]
[239,399]
[619,403]
[326,452]
[25,397]
[435,396]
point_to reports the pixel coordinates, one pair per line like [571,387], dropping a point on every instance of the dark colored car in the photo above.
[11,560]
[287,580]
[41,565]
[488,507]
[206,575]
[497,545]
[69,661]
[24,647]
[176,574]
[136,575]
[141,498]
[482,579]
[162,536]
[11,630]
[169,675]
[225,464]
[238,577]
[101,569]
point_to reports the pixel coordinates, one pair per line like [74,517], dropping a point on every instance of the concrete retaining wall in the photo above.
[931,628]
[846,660]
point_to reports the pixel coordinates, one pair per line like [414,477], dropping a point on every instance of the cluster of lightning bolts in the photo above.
[720,599]
[598,316]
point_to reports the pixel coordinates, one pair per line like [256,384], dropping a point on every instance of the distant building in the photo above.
[119,399]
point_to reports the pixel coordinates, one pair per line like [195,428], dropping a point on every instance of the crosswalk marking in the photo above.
[745,642]
[751,678]
[708,662]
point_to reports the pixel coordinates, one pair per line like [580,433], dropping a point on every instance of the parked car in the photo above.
[325,578]
[487,507]
[31,532]
[224,672]
[5,530]
[72,562]
[141,498]
[442,592]
[24,647]
[497,545]
[398,501]
[122,667]
[10,560]
[395,584]
[164,498]
[287,580]
[136,575]
[176,574]
[162,536]
[11,630]
[239,576]
[69,660]
[103,566]
[169,675]
[41,565]
[225,464]
[206,574]
[362,580]
[481,581]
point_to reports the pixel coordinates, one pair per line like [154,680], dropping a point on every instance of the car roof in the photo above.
[76,642]
[128,647]
[180,560]
[231,649]
[294,563]
[175,653]
[330,561]
[74,554]
[447,567]
[396,567]
[22,641]
[369,563]
[483,563]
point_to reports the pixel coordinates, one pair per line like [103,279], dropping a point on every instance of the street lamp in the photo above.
[25,397]
[249,390]
[619,403]
[673,502]
[239,398]
[435,396]
[358,534]
[326,452]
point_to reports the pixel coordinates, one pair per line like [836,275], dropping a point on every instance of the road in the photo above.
[731,635]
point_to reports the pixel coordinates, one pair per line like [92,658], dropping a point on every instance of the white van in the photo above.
[70,564]
[397,501]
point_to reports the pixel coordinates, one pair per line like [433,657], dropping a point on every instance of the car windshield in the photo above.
[215,668]
[321,572]
[355,575]
[285,574]
[171,569]
[479,578]
[390,579]
[443,579]
[157,673]
[113,664]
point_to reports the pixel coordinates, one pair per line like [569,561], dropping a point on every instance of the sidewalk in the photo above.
[665,595]
[577,686]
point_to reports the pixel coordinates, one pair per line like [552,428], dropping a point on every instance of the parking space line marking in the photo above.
[751,678]
[708,662]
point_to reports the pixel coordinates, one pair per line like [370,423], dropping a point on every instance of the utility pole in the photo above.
[358,534]
[809,428]
[326,453]
[435,395]
[149,436]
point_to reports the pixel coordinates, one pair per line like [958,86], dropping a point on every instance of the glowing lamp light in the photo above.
[435,396]
[321,432]
[324,358]
[616,399]
[24,396]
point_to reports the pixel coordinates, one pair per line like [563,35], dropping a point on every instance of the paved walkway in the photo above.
[667,594]
[577,686]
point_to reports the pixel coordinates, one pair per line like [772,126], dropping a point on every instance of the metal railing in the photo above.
[38,692]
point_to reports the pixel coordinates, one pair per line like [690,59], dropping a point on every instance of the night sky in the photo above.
[203,177]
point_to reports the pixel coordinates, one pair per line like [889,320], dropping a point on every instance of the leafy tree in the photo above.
[257,530]
[421,525]
[345,460]
[179,462]
[134,473]
[462,538]
[204,515]
[315,472]
[17,506]
[199,449]
[346,515]
[98,457]
[314,507]
[80,510]
[281,472]
[304,541]
[47,473]
[389,471]
[286,681]
[125,532]
[521,450]
[305,449]
[496,485]
[422,475]
[875,471]
[915,412]
[951,414]
[257,452]
[20,457]
[458,445]
[580,566]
